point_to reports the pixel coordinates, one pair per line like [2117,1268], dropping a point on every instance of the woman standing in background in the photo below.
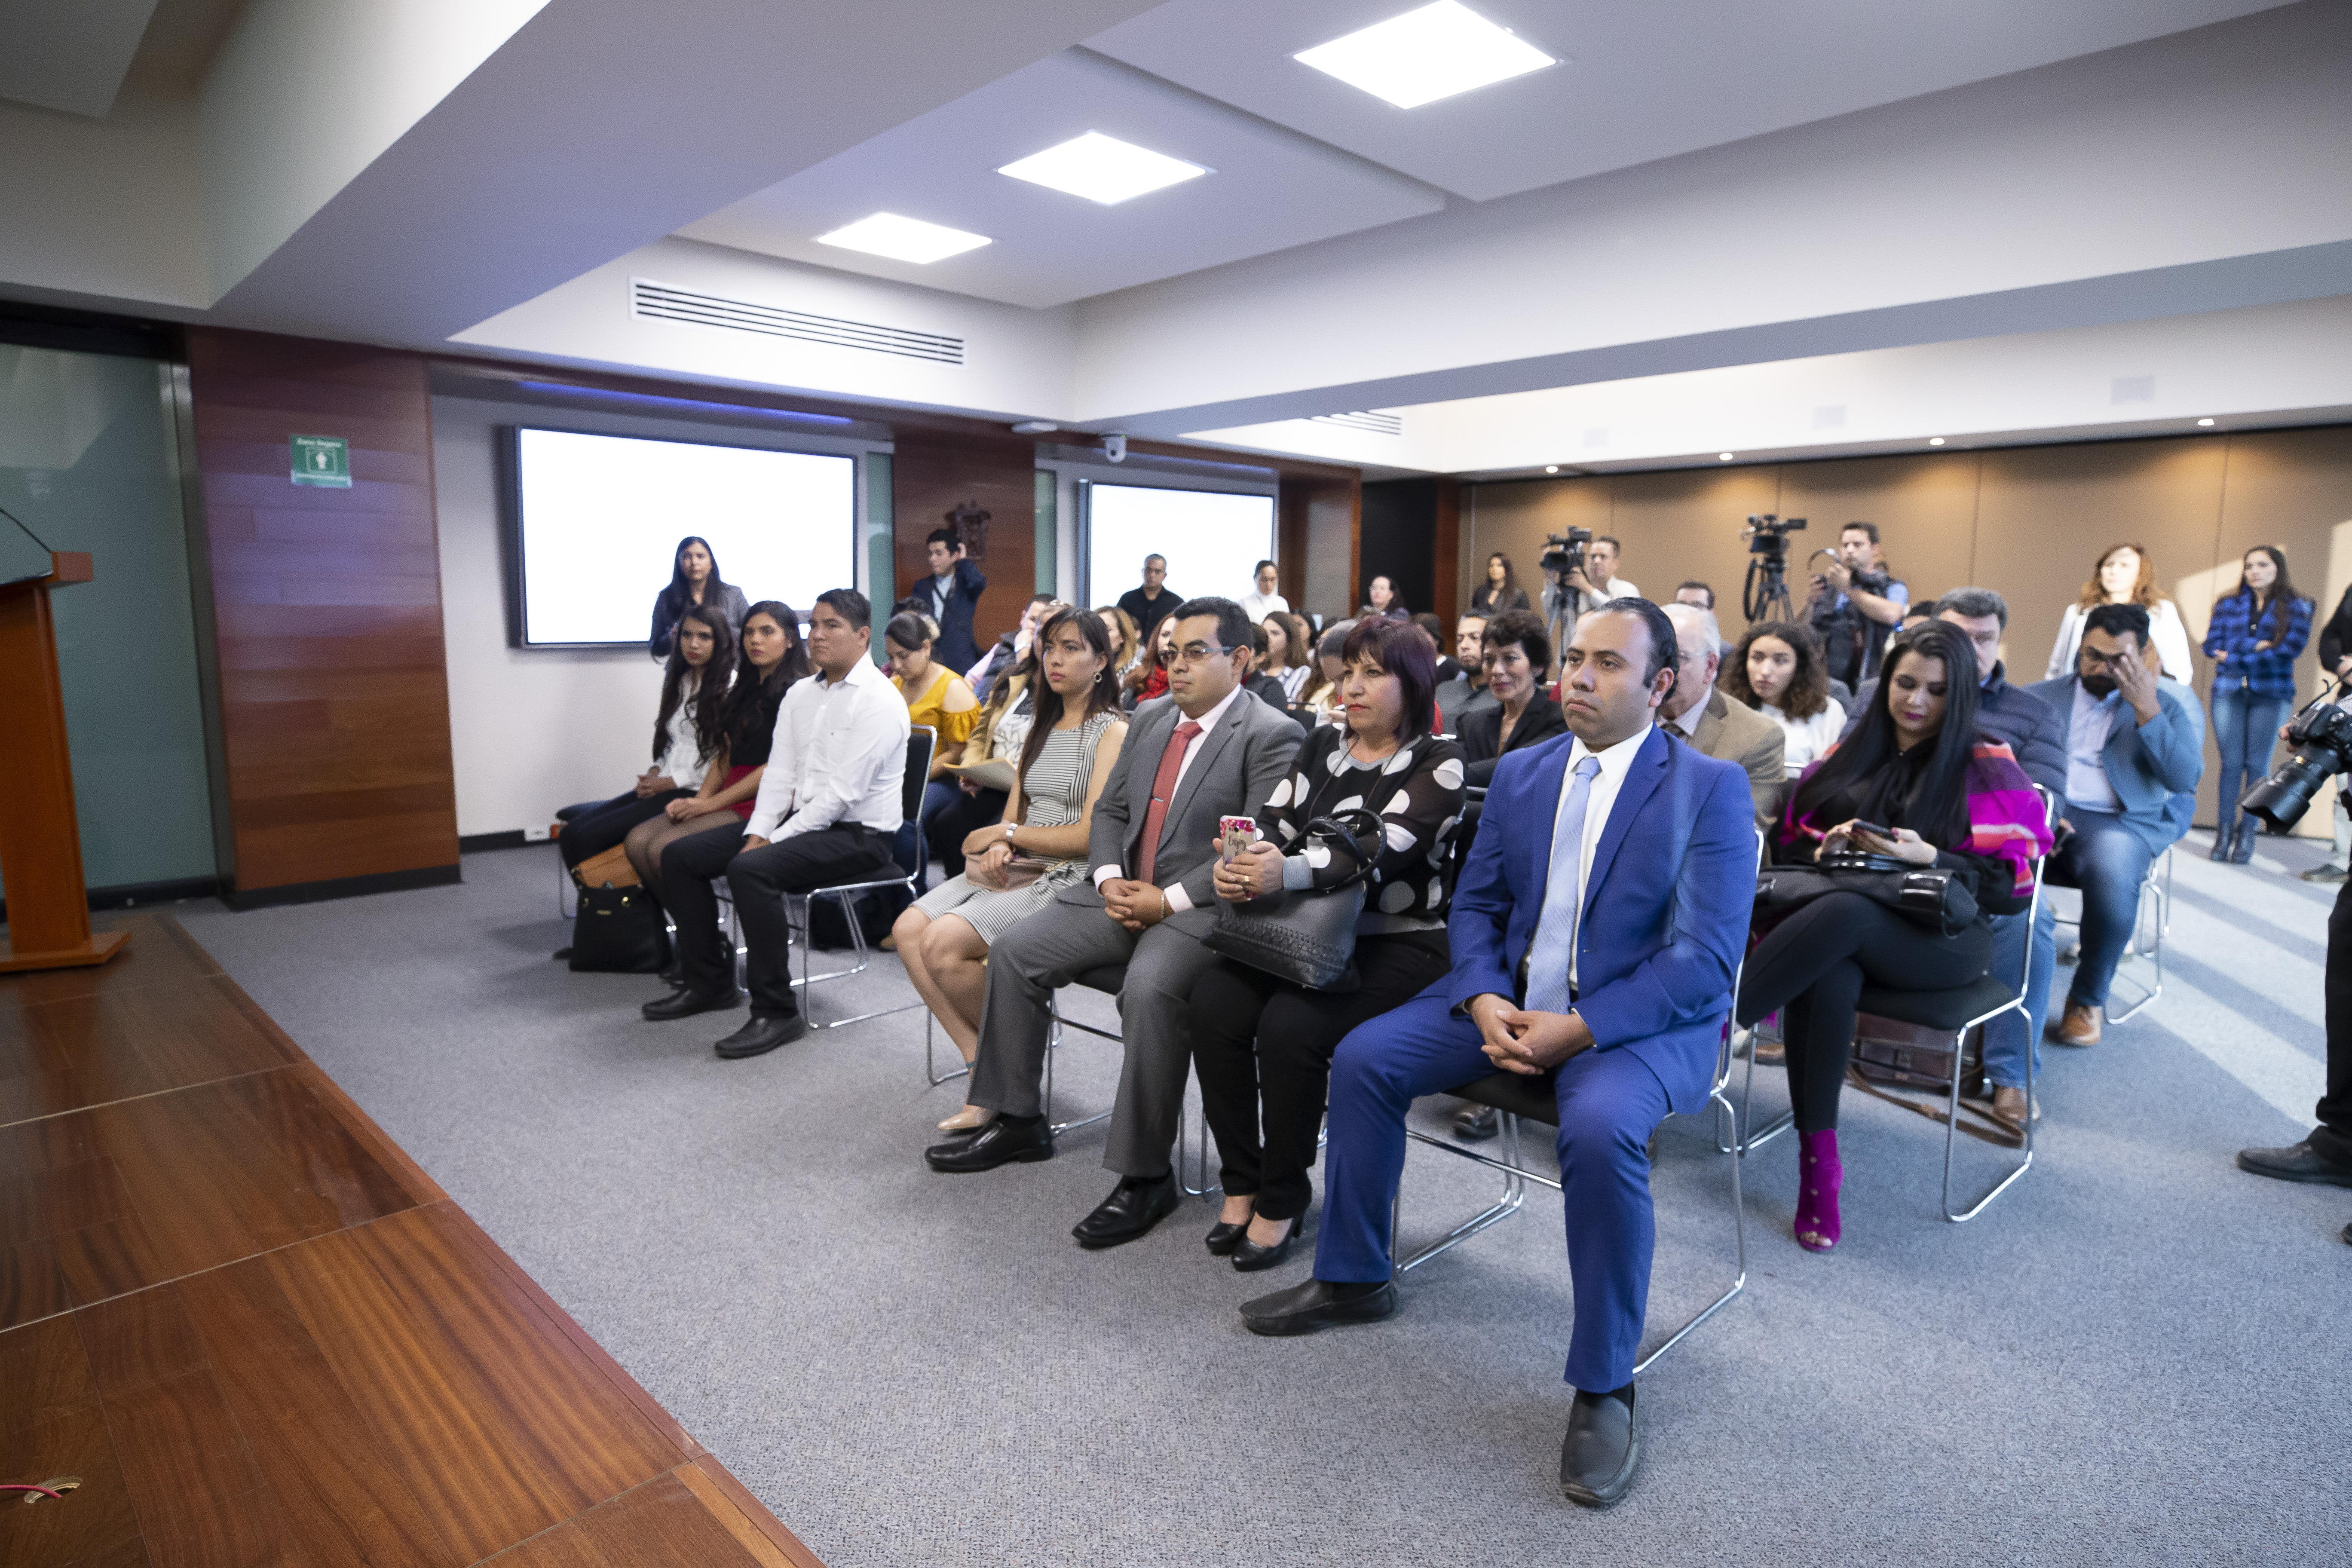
[1500,591]
[2254,637]
[2125,575]
[694,579]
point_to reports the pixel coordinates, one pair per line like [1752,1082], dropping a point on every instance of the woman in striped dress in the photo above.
[1014,867]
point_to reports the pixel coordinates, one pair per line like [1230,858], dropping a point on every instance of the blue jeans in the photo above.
[2108,861]
[2245,728]
[2012,1045]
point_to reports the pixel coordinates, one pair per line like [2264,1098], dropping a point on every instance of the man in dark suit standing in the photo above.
[949,596]
[1206,750]
[1146,604]
[1596,932]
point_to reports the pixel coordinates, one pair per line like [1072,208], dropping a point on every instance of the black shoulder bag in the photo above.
[1939,900]
[1307,936]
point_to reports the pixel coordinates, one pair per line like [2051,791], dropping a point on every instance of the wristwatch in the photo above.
[1008,831]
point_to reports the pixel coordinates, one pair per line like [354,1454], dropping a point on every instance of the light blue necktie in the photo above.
[1554,948]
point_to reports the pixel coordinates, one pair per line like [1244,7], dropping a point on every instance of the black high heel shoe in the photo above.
[1249,1256]
[1222,1239]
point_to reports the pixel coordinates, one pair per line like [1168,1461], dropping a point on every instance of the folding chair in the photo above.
[1519,1097]
[2151,924]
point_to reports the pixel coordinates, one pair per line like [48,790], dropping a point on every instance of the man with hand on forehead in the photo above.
[1596,932]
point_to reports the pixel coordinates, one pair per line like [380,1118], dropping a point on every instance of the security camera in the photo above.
[1115,447]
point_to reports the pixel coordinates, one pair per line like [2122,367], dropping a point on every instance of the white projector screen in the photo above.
[1213,541]
[601,515]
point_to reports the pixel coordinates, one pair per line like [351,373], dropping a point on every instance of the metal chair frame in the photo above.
[1952,1117]
[2148,934]
[1515,1176]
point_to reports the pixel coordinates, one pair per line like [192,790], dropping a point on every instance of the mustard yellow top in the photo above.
[947,705]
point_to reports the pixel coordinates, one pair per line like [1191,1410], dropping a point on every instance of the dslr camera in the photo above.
[2322,737]
[1564,552]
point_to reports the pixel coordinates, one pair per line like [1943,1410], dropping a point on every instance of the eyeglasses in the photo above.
[1196,653]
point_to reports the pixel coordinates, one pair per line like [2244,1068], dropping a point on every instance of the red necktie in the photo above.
[1164,786]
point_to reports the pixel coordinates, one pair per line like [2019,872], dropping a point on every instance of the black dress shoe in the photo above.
[1603,1446]
[1134,1207]
[1249,1256]
[999,1142]
[1320,1304]
[686,1003]
[760,1035]
[1477,1124]
[2347,1236]
[2295,1162]
[1224,1237]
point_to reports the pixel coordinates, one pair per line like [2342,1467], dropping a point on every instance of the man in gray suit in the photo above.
[1719,727]
[1208,749]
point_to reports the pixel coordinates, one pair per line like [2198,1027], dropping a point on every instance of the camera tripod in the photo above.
[1765,596]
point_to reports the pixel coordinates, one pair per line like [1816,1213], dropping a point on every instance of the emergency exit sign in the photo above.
[324,460]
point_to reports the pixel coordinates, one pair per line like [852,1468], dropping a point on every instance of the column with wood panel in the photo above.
[935,472]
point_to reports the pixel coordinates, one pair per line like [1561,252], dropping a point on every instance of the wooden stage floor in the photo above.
[259,1334]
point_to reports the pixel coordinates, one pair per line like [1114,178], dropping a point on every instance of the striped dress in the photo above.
[1055,792]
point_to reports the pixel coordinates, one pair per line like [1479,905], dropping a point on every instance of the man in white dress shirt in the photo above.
[830,801]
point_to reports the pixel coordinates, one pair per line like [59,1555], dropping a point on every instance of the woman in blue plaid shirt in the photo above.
[2256,633]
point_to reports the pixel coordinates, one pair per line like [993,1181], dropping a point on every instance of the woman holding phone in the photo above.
[1014,867]
[1917,784]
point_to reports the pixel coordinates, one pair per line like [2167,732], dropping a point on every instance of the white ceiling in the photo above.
[69,55]
[1271,189]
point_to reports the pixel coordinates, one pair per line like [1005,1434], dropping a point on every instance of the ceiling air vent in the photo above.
[661,302]
[1377,424]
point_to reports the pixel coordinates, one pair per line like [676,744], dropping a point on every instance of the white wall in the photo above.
[532,730]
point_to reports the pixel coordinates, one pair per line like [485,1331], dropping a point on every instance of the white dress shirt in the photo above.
[2093,720]
[1258,605]
[1804,740]
[1616,588]
[681,761]
[1615,763]
[840,755]
[1178,900]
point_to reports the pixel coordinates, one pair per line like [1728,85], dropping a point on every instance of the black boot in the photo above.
[2242,848]
[2221,842]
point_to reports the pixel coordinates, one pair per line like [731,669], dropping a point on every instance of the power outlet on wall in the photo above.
[537,834]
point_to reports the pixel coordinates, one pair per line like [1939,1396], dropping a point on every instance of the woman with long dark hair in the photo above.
[1780,671]
[1289,653]
[1148,677]
[694,580]
[769,657]
[1501,590]
[1916,784]
[1013,868]
[2255,636]
[686,737]
[1263,1046]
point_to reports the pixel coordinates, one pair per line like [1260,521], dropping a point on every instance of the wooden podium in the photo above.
[40,842]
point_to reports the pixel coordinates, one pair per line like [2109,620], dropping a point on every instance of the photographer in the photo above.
[1580,574]
[1853,600]
[2325,1155]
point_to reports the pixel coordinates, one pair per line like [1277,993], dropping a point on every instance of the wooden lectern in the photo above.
[40,842]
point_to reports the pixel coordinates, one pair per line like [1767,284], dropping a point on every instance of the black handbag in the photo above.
[1940,900]
[619,930]
[1308,937]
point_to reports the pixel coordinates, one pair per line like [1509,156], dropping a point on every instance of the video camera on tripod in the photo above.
[1766,595]
[1564,552]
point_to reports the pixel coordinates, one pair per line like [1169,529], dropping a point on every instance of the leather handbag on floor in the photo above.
[1307,936]
[619,930]
[1939,899]
[611,869]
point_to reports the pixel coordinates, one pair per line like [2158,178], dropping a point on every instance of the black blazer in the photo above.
[1542,722]
[956,650]
[1268,690]
[730,600]
[1490,600]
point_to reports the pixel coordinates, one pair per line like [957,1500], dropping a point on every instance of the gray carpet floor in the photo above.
[2137,1355]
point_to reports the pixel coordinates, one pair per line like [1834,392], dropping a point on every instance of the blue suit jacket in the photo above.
[958,649]
[1665,909]
[2154,768]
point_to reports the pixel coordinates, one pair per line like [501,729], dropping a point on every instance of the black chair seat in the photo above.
[1936,1009]
[1536,1099]
[1108,978]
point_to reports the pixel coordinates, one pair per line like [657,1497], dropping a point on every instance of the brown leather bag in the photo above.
[610,869]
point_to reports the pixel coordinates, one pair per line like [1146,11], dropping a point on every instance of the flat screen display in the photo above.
[1213,541]
[602,516]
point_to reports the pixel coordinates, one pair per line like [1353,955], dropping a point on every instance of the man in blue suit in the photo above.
[2135,752]
[1596,934]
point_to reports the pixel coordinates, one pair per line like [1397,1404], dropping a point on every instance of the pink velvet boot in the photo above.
[1818,1176]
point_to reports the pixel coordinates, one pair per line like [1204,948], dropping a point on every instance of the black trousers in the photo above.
[604,824]
[1810,969]
[956,821]
[2333,1137]
[1262,1045]
[759,878]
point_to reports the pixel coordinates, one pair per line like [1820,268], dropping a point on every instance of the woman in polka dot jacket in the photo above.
[1259,1039]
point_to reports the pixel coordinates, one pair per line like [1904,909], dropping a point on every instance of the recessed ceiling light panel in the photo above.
[903,239]
[1102,169]
[1425,55]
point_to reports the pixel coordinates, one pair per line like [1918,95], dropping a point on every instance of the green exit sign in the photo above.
[323,460]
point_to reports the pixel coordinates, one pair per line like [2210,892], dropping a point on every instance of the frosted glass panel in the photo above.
[86,459]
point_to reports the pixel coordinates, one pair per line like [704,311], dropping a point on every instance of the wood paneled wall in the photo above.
[934,471]
[2025,521]
[327,602]
[1319,520]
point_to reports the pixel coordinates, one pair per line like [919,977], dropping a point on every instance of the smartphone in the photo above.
[1235,834]
[1874,830]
